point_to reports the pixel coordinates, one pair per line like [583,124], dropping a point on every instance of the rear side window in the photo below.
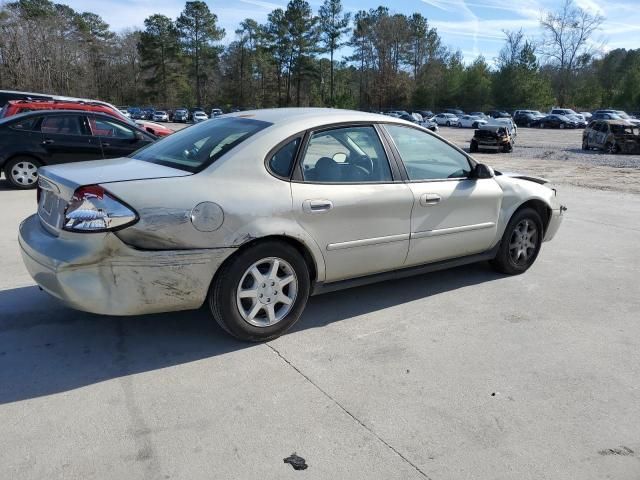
[346,155]
[281,163]
[195,148]
[61,125]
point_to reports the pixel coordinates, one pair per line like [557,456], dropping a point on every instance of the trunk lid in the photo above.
[56,184]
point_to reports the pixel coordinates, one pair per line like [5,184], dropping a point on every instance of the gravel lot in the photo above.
[557,155]
[463,374]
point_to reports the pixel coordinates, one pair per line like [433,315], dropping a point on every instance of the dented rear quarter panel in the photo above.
[255,205]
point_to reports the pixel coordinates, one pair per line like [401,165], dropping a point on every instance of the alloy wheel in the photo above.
[523,242]
[266,292]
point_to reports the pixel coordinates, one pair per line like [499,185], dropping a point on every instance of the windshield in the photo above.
[197,147]
[623,115]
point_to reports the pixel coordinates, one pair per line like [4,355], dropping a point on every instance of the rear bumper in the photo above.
[98,273]
[554,223]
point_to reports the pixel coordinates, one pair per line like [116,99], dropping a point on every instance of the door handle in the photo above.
[429,199]
[317,206]
[48,141]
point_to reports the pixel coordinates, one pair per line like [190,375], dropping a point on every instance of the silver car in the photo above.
[253,213]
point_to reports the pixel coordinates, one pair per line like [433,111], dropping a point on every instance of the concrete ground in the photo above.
[463,374]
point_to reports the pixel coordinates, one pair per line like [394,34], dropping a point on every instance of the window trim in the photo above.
[277,148]
[113,120]
[470,160]
[298,177]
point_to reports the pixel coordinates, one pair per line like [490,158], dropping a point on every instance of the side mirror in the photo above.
[483,171]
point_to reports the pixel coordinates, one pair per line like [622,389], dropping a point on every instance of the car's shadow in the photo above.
[46,348]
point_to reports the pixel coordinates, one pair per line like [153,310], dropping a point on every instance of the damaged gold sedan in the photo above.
[251,213]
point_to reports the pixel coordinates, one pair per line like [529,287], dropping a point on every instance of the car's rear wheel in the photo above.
[260,292]
[520,243]
[22,172]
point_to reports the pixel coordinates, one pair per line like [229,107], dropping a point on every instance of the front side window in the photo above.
[346,155]
[61,125]
[197,147]
[106,128]
[426,157]
[281,162]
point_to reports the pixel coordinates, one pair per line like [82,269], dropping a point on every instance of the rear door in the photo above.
[65,138]
[347,196]
[453,214]
[116,138]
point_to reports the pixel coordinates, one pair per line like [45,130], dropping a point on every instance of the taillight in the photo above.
[93,209]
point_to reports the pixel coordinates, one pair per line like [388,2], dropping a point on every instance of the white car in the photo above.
[471,121]
[200,117]
[125,113]
[448,119]
[160,116]
[215,112]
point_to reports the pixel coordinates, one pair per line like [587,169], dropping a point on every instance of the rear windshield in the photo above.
[195,148]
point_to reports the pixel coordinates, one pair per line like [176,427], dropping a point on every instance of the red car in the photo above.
[13,107]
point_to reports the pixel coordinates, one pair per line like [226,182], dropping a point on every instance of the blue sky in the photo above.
[473,26]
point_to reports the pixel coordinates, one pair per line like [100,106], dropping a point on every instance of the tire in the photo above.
[528,125]
[475,125]
[233,311]
[541,125]
[473,148]
[448,124]
[22,172]
[585,144]
[515,244]
[562,126]
[508,148]
[611,148]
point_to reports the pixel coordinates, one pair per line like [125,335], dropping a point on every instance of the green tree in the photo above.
[159,48]
[333,26]
[303,35]
[198,30]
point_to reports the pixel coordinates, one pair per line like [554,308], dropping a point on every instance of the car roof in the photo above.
[314,117]
[40,113]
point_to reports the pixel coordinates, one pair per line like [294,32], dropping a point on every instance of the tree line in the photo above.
[394,60]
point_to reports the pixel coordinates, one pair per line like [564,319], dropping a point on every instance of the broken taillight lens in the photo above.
[93,209]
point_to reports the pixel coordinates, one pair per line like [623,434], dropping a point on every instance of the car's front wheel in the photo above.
[22,172]
[611,148]
[585,144]
[260,292]
[520,243]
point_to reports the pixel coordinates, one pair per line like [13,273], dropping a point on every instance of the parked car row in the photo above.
[178,115]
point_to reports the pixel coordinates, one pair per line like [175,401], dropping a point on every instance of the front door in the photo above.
[65,138]
[346,197]
[453,214]
[117,139]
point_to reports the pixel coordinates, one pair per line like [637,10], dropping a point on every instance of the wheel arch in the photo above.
[315,265]
[21,154]
[540,206]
